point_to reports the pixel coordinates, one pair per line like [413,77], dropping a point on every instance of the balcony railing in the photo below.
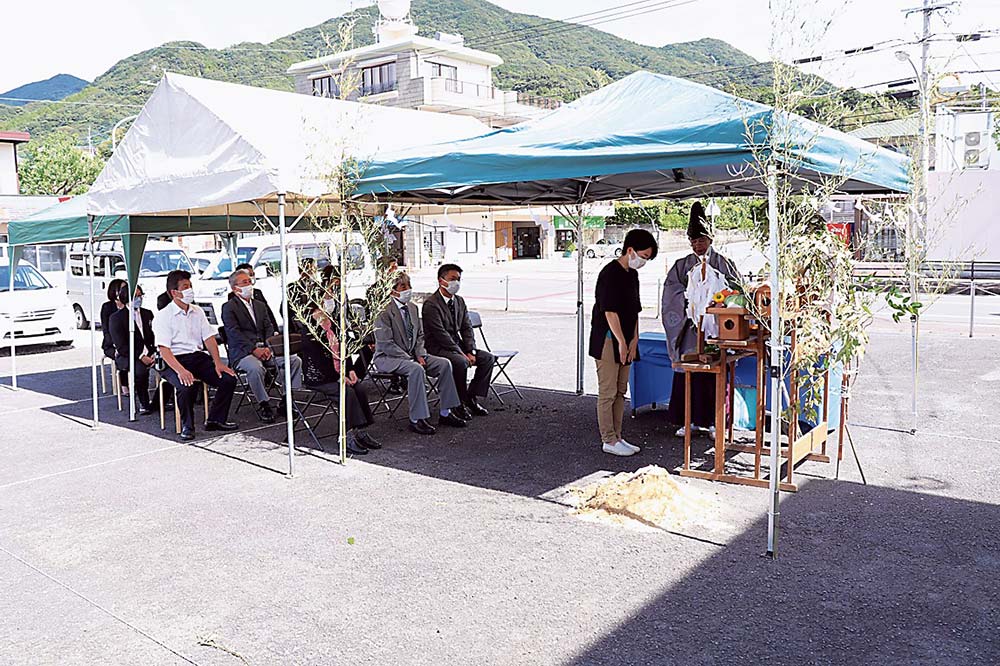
[480,90]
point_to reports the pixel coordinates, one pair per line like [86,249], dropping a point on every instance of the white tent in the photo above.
[201,144]
[202,154]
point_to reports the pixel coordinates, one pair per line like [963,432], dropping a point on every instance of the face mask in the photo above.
[404,296]
[187,296]
[137,302]
[246,292]
[453,287]
[635,262]
[329,305]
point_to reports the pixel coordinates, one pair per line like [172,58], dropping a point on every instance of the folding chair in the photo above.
[503,359]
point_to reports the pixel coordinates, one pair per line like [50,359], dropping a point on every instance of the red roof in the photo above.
[14,137]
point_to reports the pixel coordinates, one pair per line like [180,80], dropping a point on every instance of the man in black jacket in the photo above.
[248,326]
[145,344]
[449,334]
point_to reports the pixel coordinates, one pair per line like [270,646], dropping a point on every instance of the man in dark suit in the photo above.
[145,344]
[248,326]
[449,334]
[399,350]
[258,295]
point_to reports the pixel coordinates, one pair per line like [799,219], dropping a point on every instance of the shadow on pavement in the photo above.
[876,575]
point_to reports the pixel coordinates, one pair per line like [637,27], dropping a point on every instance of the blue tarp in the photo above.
[647,135]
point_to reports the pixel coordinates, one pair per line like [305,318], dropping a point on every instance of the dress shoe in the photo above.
[227,426]
[366,440]
[353,447]
[265,413]
[144,410]
[461,412]
[422,427]
[476,408]
[453,421]
[187,434]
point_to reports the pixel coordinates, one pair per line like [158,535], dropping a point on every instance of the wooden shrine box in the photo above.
[762,301]
[733,322]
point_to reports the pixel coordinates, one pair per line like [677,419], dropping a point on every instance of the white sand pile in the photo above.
[649,497]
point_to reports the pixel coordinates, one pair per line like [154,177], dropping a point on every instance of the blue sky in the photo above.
[85,39]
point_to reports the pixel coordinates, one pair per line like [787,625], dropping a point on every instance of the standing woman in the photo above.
[614,335]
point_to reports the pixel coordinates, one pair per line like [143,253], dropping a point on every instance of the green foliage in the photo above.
[54,165]
[902,304]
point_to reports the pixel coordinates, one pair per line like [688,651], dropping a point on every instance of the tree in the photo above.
[55,166]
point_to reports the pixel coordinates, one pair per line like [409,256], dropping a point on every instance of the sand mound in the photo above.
[650,496]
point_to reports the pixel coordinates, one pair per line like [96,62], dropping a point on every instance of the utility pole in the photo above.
[918,227]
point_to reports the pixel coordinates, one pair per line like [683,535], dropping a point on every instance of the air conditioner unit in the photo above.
[976,150]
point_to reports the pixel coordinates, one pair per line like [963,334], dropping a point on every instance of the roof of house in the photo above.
[909,126]
[412,43]
[14,137]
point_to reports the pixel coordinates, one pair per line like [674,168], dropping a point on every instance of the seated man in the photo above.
[258,295]
[449,335]
[182,336]
[248,326]
[145,344]
[399,349]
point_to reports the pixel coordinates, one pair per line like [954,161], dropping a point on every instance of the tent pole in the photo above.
[579,300]
[13,347]
[93,324]
[131,352]
[289,422]
[777,352]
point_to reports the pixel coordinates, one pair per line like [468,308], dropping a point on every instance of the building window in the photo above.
[471,242]
[444,71]
[325,87]
[378,79]
[46,258]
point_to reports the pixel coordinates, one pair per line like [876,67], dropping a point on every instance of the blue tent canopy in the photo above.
[645,136]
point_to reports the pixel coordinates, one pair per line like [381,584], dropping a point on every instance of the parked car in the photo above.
[264,254]
[158,259]
[202,259]
[603,248]
[35,313]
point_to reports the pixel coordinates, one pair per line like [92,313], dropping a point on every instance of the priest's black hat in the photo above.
[698,224]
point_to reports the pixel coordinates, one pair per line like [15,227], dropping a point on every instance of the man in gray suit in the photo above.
[399,349]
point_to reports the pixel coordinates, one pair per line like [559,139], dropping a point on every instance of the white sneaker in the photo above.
[634,448]
[681,432]
[618,449]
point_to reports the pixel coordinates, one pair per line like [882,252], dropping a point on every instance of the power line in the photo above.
[62,101]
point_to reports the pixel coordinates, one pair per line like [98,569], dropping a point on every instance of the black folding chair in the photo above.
[503,359]
[243,387]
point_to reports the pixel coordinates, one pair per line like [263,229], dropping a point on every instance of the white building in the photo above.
[9,141]
[438,74]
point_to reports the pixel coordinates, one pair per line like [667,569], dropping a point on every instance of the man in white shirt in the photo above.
[248,326]
[182,335]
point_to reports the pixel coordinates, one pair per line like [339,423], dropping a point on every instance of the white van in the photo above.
[37,312]
[158,259]
[264,254]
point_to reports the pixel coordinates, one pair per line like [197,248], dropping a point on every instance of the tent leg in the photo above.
[579,301]
[13,253]
[93,324]
[777,352]
[131,355]
[289,421]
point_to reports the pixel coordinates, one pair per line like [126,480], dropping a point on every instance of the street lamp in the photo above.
[913,235]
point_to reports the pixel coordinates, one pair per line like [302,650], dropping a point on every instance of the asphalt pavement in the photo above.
[120,545]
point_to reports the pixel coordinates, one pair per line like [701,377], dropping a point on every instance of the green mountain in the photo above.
[541,57]
[54,88]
